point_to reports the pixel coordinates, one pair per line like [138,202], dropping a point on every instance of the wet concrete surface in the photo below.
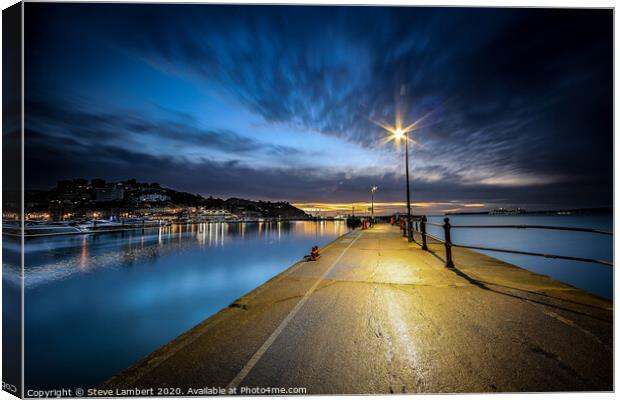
[377,314]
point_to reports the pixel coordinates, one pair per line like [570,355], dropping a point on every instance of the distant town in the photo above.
[80,199]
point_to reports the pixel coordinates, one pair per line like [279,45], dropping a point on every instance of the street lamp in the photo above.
[399,133]
[372,204]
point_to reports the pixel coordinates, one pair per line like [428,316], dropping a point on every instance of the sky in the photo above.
[513,107]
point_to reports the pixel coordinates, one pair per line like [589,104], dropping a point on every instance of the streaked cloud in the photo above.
[278,102]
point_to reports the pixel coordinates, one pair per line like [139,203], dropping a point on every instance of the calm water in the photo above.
[594,278]
[97,304]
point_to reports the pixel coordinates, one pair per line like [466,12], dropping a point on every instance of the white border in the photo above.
[479,3]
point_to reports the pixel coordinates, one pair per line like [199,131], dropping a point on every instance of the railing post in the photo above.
[409,230]
[423,232]
[446,230]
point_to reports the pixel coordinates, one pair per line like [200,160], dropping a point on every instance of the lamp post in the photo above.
[372,204]
[398,134]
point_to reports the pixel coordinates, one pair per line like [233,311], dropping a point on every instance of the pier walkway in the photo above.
[376,314]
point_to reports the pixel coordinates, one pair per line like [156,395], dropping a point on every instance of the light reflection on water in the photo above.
[95,304]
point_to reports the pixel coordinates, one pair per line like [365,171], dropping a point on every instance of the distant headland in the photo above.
[519,211]
[83,199]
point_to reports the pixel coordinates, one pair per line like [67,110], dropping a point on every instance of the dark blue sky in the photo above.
[277,102]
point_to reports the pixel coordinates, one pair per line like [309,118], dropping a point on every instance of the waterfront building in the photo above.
[153,197]
[109,194]
[60,209]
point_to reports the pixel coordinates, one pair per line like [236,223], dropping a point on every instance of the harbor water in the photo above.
[594,278]
[95,304]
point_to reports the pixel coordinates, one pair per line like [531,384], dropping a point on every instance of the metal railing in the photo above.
[418,225]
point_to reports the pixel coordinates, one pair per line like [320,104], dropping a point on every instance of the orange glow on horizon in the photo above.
[363,207]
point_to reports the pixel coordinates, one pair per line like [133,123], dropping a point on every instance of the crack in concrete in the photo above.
[570,323]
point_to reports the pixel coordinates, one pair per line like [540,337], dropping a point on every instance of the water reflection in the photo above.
[54,258]
[116,297]
[84,255]
[11,310]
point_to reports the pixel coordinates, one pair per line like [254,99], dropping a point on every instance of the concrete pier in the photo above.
[376,314]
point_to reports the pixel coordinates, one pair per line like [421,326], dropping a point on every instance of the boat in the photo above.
[32,228]
[43,228]
[97,224]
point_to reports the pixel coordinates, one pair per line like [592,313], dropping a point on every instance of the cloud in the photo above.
[51,159]
[494,90]
[520,98]
[133,128]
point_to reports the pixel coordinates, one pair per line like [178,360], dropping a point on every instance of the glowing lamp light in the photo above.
[398,133]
